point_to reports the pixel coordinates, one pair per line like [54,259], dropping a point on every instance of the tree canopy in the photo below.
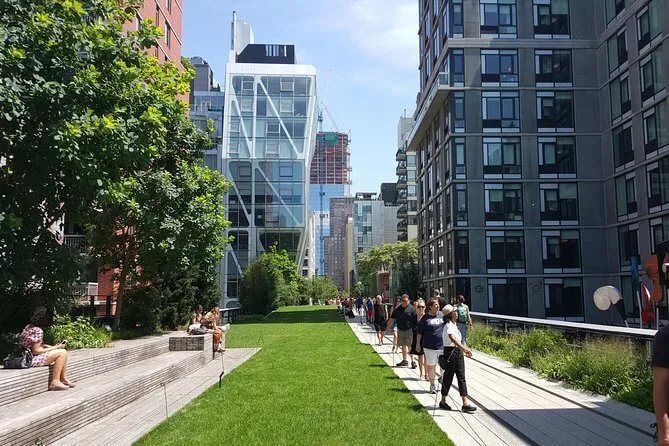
[93,131]
[401,258]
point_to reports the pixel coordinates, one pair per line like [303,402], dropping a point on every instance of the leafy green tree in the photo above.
[90,123]
[260,285]
[401,258]
[161,226]
[318,288]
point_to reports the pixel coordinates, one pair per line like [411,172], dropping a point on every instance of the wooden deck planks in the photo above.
[516,406]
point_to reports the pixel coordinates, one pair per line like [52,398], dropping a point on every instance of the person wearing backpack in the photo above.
[464,318]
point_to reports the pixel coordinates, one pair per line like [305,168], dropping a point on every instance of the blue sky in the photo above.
[366,52]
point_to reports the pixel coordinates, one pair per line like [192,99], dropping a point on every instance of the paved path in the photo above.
[132,421]
[517,407]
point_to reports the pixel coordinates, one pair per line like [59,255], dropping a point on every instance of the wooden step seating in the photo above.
[106,379]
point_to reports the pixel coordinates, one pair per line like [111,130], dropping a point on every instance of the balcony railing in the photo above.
[76,242]
[400,155]
[401,168]
[443,80]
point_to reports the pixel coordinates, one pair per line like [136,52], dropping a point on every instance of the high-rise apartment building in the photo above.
[330,177]
[542,147]
[269,132]
[375,222]
[339,244]
[406,183]
[206,103]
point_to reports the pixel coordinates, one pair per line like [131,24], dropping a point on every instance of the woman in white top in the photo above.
[454,360]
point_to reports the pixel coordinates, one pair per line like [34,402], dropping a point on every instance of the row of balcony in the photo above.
[401,168]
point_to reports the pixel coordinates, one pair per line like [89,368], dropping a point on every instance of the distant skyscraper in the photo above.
[330,173]
[375,222]
[407,198]
[269,132]
[337,243]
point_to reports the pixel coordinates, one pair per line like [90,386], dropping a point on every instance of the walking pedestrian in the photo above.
[380,318]
[430,331]
[405,316]
[464,318]
[370,310]
[453,361]
[416,344]
[394,324]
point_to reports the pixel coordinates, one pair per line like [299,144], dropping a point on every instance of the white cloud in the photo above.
[386,30]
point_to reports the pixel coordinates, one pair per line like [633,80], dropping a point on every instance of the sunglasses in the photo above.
[420,306]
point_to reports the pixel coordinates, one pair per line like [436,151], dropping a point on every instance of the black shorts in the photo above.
[381,326]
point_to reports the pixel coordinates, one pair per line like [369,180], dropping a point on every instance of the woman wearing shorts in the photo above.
[380,318]
[429,338]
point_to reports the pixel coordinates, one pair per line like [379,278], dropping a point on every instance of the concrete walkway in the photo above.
[517,407]
[131,422]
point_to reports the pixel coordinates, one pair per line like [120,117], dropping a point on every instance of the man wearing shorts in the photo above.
[380,318]
[430,329]
[406,318]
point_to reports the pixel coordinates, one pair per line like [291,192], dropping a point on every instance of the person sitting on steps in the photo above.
[32,338]
[210,321]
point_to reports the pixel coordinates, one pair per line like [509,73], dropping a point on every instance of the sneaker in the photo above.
[413,364]
[433,389]
[468,408]
[402,363]
[444,405]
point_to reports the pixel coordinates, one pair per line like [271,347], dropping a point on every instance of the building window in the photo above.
[453,19]
[498,18]
[648,23]
[507,297]
[210,161]
[626,195]
[628,243]
[168,35]
[505,251]
[623,151]
[657,175]
[652,75]
[613,8]
[504,204]
[455,67]
[460,204]
[561,251]
[553,67]
[551,18]
[435,46]
[460,160]
[461,252]
[501,111]
[564,299]
[168,5]
[555,111]
[557,157]
[499,67]
[659,230]
[459,112]
[559,204]
[617,49]
[620,97]
[655,131]
[501,158]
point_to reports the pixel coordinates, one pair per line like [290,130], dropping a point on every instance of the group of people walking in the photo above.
[429,335]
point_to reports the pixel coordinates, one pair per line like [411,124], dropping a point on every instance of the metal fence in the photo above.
[577,329]
[229,315]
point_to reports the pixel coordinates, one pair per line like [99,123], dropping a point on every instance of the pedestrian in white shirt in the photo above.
[453,361]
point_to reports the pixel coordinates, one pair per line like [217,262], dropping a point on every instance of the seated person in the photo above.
[210,321]
[32,338]
[195,319]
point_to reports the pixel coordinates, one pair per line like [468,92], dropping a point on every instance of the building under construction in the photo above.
[330,178]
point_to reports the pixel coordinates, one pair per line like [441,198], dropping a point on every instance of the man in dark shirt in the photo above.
[406,317]
[660,364]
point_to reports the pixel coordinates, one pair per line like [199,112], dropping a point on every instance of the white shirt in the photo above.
[451,329]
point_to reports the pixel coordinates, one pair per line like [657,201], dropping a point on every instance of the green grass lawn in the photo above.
[312,383]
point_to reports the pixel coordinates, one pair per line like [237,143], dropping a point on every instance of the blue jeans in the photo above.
[463,331]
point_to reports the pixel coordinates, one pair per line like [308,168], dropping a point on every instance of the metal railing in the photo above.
[229,315]
[515,323]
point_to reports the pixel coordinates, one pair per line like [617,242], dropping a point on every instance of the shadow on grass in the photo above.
[380,366]
[400,390]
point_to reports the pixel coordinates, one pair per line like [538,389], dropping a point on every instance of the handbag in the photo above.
[199,331]
[443,360]
[19,362]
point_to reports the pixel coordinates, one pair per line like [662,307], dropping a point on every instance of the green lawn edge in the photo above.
[312,382]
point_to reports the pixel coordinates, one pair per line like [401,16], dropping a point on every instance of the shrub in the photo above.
[79,333]
[608,367]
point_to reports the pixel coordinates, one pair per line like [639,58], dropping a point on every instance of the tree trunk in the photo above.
[119,298]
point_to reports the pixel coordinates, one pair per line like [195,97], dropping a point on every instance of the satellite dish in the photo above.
[605,296]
